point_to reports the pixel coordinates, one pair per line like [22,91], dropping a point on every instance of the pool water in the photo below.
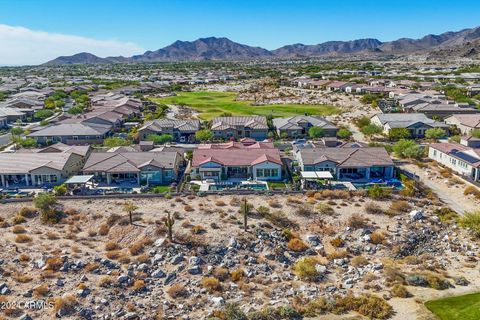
[217,187]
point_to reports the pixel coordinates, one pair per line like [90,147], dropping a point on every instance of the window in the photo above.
[259,172]
[267,173]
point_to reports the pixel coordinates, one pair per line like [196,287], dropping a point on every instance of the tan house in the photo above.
[464,122]
[49,166]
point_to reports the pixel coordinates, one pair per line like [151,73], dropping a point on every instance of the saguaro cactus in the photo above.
[169,222]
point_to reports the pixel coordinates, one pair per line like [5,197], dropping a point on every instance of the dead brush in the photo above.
[357,221]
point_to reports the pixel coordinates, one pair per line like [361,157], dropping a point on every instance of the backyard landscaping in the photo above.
[213,104]
[466,307]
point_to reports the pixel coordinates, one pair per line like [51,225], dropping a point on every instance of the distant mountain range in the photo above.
[449,43]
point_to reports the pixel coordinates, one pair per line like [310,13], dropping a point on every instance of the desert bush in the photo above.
[22,278]
[339,254]
[110,246]
[471,190]
[24,258]
[359,261]
[400,206]
[393,275]
[106,281]
[399,291]
[294,200]
[104,229]
[177,291]
[296,245]
[220,203]
[428,280]
[379,193]
[138,246]
[28,212]
[138,285]
[374,307]
[54,263]
[237,275]
[288,234]
[52,236]
[198,229]
[18,229]
[280,219]
[337,242]
[263,211]
[471,221]
[324,208]
[305,268]
[211,284]
[18,219]
[66,303]
[377,237]
[446,214]
[357,221]
[445,173]
[188,208]
[23,238]
[373,208]
[221,273]
[41,291]
[304,211]
[274,203]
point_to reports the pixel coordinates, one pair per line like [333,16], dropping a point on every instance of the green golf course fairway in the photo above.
[213,104]
[466,307]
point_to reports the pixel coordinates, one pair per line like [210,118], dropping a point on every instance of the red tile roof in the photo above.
[235,157]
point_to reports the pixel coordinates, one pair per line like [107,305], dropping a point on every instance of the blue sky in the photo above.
[150,25]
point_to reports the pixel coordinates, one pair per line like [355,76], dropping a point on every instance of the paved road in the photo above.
[5,139]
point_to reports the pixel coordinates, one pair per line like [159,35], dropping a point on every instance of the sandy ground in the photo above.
[451,194]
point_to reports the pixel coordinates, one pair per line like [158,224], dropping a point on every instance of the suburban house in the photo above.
[236,160]
[254,127]
[134,168]
[298,126]
[180,130]
[39,167]
[348,163]
[461,158]
[12,114]
[464,122]
[72,134]
[415,123]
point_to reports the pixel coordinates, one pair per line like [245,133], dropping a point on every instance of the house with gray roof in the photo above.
[134,168]
[298,126]
[38,167]
[466,123]
[348,163]
[415,123]
[72,134]
[254,127]
[180,130]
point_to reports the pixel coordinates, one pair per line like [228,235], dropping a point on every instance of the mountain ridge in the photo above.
[213,48]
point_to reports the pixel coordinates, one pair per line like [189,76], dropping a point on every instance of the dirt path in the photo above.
[451,195]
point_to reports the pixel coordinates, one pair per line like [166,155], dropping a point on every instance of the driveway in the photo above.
[5,139]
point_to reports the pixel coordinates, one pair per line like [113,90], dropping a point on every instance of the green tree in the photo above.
[60,190]
[398,134]
[43,114]
[16,131]
[115,142]
[371,130]
[160,139]
[316,132]
[344,133]
[204,135]
[435,133]
[362,121]
[75,110]
[475,133]
[408,149]
[24,142]
[46,203]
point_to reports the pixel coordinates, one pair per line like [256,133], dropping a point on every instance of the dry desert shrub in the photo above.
[113,255]
[377,237]
[471,190]
[305,268]
[198,229]
[138,247]
[221,274]
[304,211]
[66,303]
[23,238]
[274,203]
[324,208]
[337,242]
[18,219]
[138,285]
[237,275]
[21,278]
[52,236]
[220,203]
[24,258]
[28,212]
[177,291]
[373,208]
[294,200]
[54,263]
[41,291]
[188,208]
[359,261]
[106,281]
[338,254]
[110,246]
[18,229]
[357,221]
[296,245]
[400,291]
[211,284]
[400,206]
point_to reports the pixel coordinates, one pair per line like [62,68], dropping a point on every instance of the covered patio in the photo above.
[315,179]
